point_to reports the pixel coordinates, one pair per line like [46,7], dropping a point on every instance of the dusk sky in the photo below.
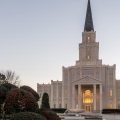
[38,37]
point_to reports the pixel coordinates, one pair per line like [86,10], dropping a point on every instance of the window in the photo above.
[88,57]
[87,97]
[110,93]
[88,39]
[65,105]
[54,105]
[110,105]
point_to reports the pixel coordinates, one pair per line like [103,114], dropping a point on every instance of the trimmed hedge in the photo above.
[59,110]
[49,114]
[111,111]
[45,101]
[19,100]
[29,89]
[27,116]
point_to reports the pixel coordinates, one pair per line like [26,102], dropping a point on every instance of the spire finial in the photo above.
[89,21]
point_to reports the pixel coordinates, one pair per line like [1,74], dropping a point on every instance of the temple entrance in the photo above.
[88,100]
[88,108]
[87,97]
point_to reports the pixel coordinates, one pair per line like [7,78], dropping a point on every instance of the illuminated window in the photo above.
[88,97]
[88,57]
[110,93]
[110,105]
[88,40]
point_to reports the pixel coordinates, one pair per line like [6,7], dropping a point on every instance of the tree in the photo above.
[9,86]
[45,101]
[2,78]
[3,92]
[11,77]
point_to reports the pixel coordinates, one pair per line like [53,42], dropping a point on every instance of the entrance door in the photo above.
[88,108]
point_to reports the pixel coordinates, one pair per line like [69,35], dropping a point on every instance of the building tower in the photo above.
[88,84]
[89,48]
[86,80]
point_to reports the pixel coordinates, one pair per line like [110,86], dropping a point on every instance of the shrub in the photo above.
[3,92]
[27,116]
[20,100]
[111,111]
[49,114]
[9,86]
[45,101]
[29,89]
[59,110]
[45,109]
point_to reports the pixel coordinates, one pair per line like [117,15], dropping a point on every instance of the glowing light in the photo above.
[87,97]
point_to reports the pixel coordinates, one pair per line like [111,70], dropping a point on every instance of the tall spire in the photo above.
[89,21]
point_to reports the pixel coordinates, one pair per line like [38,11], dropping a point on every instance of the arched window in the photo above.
[87,97]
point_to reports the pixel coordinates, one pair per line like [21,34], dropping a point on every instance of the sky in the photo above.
[38,37]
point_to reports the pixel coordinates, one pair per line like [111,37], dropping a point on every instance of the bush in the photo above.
[59,110]
[3,92]
[27,116]
[111,111]
[49,114]
[9,86]
[29,89]
[20,100]
[45,101]
[4,89]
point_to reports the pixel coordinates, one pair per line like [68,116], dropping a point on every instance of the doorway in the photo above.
[88,108]
[88,100]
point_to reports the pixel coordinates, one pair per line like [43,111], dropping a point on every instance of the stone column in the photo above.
[73,96]
[94,93]
[79,97]
[100,97]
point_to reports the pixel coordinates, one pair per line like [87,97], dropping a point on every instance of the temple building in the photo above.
[88,84]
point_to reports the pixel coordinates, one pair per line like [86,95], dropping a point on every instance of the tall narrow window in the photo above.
[110,93]
[87,97]
[54,105]
[88,57]
[88,40]
[65,105]
[59,105]
[110,105]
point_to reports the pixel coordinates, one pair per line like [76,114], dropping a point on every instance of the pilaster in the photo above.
[94,87]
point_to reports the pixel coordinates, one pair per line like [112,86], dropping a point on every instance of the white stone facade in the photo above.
[54,91]
[88,84]
[87,74]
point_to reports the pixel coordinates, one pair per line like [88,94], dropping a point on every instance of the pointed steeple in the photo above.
[89,21]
